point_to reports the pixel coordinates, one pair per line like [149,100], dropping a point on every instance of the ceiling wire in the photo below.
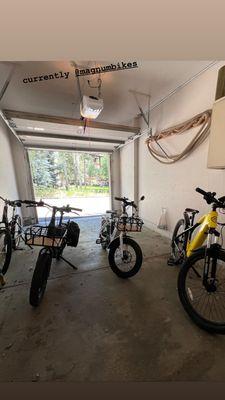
[146,119]
[96,87]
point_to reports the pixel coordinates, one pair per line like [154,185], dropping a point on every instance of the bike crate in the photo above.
[44,236]
[129,224]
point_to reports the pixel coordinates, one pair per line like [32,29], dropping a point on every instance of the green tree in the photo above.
[40,168]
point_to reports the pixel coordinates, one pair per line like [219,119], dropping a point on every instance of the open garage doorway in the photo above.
[79,179]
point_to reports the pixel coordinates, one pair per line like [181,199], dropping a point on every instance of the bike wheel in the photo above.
[130,262]
[203,302]
[16,232]
[40,278]
[178,245]
[5,250]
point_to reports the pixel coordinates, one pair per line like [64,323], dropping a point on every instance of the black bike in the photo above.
[53,238]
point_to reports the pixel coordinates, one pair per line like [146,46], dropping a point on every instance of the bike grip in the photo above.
[76,209]
[118,198]
[201,191]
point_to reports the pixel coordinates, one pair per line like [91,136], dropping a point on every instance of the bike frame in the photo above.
[56,252]
[113,234]
[208,223]
[5,220]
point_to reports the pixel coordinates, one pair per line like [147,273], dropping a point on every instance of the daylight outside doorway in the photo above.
[65,177]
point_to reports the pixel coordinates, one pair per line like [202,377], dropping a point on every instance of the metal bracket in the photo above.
[136,93]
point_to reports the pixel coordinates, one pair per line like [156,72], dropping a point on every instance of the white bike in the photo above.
[125,255]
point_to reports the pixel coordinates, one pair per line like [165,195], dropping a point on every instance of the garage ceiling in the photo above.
[60,98]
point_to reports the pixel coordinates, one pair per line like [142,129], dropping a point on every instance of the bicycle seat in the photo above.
[191,210]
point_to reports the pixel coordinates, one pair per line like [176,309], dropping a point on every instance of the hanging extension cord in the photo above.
[203,119]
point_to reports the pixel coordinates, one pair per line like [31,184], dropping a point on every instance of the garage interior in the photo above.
[93,326]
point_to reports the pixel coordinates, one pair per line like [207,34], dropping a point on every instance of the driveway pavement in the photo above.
[90,205]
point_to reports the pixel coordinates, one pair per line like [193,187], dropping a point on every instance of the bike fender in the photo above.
[117,239]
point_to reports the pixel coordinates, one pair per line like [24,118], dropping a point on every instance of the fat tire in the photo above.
[111,257]
[8,241]
[39,279]
[212,327]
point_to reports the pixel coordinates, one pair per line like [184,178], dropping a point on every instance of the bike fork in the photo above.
[121,244]
[211,253]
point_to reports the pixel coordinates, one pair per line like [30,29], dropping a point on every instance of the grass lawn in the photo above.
[73,191]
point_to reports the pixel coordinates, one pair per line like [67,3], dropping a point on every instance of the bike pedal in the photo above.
[171,262]
[98,241]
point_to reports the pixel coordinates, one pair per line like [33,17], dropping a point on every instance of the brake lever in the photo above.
[74,212]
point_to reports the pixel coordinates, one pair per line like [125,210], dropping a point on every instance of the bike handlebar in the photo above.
[126,201]
[12,203]
[43,204]
[210,198]
[201,191]
[32,203]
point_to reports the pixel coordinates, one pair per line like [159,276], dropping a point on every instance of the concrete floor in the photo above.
[93,326]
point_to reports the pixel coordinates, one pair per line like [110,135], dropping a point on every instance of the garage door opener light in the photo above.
[91,106]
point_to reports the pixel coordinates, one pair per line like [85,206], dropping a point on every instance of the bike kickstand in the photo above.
[27,244]
[68,262]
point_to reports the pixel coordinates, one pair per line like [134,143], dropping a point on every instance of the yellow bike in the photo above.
[201,280]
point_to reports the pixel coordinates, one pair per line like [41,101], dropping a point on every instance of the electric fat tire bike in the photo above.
[11,230]
[201,280]
[125,255]
[52,238]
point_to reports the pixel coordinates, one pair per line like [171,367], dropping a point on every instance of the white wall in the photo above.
[8,184]
[15,178]
[173,186]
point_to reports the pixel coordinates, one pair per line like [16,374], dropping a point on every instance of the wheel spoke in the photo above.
[207,300]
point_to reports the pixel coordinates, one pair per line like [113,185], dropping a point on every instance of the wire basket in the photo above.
[42,236]
[130,224]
